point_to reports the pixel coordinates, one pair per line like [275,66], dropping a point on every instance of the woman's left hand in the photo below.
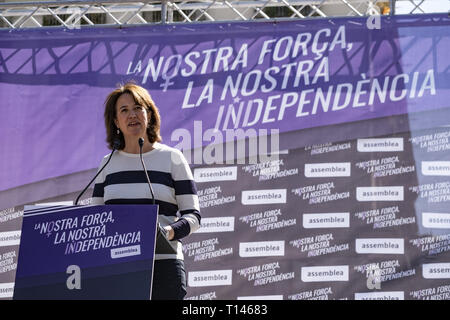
[170,232]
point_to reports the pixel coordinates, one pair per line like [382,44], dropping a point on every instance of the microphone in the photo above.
[141,144]
[116,145]
[160,229]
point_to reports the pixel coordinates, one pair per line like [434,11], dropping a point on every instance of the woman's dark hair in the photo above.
[142,98]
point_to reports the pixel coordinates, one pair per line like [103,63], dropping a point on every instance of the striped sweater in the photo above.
[123,182]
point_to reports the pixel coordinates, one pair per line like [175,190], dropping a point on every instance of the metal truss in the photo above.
[80,13]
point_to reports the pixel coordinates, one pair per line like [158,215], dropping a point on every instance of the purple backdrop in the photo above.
[326,84]
[53,82]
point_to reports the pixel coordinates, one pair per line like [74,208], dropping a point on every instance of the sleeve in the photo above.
[186,196]
[99,186]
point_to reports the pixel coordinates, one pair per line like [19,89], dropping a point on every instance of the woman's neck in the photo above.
[132,146]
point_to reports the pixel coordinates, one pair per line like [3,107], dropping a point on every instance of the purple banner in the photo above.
[354,205]
[87,236]
[287,76]
[108,244]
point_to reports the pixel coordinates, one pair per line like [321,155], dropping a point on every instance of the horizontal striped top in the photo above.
[123,181]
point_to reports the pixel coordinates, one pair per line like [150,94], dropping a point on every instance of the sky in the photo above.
[426,6]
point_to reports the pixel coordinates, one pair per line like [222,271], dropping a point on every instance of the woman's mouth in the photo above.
[134,124]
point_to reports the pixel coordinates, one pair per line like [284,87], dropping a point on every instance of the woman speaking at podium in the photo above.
[130,114]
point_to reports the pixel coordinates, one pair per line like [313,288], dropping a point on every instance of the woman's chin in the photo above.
[135,132]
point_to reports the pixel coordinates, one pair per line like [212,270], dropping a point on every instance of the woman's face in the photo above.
[131,118]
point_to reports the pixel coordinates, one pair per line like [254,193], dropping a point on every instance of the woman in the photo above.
[129,115]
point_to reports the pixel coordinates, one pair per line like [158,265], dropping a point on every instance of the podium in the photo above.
[88,252]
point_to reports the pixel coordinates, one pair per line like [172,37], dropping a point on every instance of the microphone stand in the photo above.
[141,144]
[79,196]
[161,230]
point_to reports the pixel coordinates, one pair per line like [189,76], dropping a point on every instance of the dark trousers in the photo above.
[169,280]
